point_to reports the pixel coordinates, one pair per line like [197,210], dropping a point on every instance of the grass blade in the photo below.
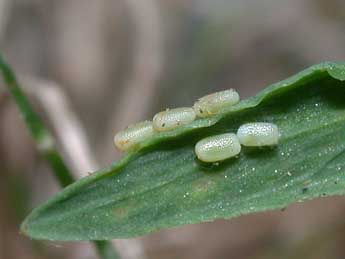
[45,143]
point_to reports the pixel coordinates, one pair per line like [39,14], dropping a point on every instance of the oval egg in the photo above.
[258,134]
[217,148]
[173,118]
[133,135]
[214,103]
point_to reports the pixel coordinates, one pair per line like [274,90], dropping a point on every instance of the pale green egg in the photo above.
[217,148]
[258,134]
[173,118]
[214,103]
[133,135]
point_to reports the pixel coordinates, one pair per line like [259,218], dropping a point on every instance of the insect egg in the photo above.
[218,148]
[133,135]
[173,118]
[258,134]
[214,103]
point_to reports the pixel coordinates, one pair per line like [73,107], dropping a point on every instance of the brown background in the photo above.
[92,67]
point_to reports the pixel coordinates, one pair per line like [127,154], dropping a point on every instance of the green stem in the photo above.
[43,138]
[45,143]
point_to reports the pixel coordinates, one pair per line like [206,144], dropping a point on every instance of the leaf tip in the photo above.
[24,228]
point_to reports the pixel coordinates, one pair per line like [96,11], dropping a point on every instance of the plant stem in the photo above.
[105,250]
[46,144]
[42,137]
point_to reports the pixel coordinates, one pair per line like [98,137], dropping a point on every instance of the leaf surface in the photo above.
[162,184]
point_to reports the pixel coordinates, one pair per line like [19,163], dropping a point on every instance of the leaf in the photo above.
[162,184]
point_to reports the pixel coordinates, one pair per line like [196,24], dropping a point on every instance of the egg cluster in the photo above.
[210,149]
[224,146]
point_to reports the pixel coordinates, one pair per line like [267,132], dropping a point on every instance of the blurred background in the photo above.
[93,67]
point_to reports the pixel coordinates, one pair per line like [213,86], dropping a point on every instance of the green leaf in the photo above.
[162,184]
